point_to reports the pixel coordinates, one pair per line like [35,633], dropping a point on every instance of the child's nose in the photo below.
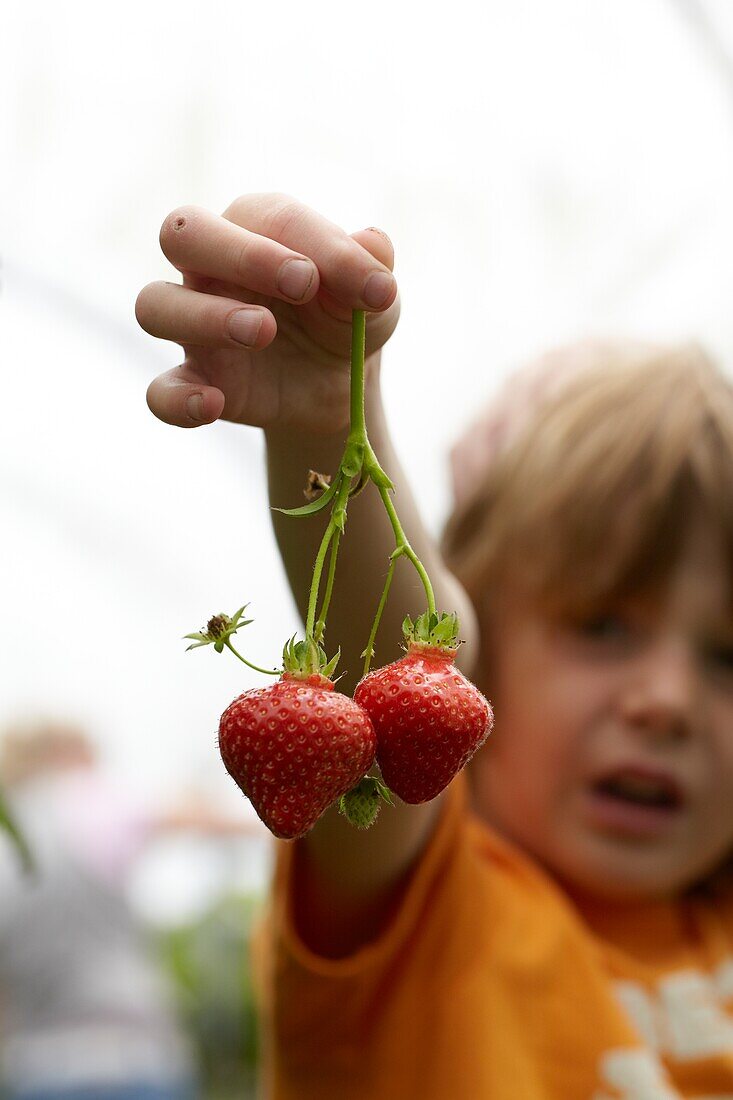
[661,695]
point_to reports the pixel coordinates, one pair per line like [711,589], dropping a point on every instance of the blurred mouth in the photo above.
[636,801]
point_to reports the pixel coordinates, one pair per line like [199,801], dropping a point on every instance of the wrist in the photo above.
[289,437]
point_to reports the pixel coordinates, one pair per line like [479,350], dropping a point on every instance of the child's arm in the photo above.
[347,878]
[294,384]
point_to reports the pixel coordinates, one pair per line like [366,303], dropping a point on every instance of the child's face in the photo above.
[641,699]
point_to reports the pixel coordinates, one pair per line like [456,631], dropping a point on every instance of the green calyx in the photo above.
[218,633]
[361,805]
[308,658]
[219,630]
[431,629]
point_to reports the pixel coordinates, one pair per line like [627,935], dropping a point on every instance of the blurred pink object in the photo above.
[518,401]
[104,824]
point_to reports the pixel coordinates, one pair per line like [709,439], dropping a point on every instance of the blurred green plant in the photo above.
[209,963]
[9,827]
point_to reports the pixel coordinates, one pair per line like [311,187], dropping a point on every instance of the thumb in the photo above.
[183,396]
[377,243]
[380,325]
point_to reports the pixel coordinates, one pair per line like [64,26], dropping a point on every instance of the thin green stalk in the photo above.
[16,835]
[330,579]
[407,550]
[358,345]
[316,579]
[267,671]
[358,461]
[380,609]
[338,510]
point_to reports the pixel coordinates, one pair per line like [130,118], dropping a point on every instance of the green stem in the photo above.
[316,579]
[335,524]
[405,548]
[358,461]
[9,825]
[358,345]
[380,609]
[267,671]
[329,582]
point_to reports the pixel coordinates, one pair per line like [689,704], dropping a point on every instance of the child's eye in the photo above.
[603,635]
[608,628]
[721,657]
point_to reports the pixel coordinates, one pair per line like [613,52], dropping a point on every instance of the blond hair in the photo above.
[589,498]
[592,497]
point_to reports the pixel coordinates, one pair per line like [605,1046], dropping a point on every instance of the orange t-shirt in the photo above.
[490,984]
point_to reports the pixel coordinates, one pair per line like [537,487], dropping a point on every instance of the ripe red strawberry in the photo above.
[428,718]
[294,748]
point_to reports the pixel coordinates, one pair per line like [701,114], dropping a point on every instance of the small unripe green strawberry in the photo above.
[361,805]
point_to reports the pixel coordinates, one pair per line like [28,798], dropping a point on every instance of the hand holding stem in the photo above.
[359,464]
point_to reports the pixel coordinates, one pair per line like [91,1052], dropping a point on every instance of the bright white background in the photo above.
[546,171]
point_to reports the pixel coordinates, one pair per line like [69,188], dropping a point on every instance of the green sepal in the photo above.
[380,479]
[433,630]
[218,630]
[384,791]
[308,658]
[303,657]
[287,652]
[446,630]
[330,668]
[315,505]
[360,806]
[218,633]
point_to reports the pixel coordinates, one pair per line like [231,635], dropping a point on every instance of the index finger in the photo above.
[198,242]
[347,270]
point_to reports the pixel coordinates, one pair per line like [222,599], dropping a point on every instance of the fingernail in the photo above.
[244,326]
[195,406]
[377,289]
[295,278]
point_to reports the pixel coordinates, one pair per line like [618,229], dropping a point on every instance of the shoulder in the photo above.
[469,888]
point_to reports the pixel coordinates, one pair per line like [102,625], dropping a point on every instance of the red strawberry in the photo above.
[294,748]
[429,720]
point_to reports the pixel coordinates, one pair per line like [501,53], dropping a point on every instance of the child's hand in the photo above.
[264,314]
